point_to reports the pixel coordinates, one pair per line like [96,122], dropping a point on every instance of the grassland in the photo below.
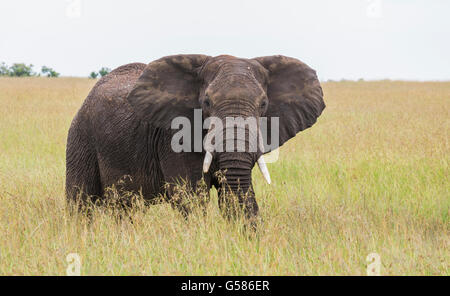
[371,176]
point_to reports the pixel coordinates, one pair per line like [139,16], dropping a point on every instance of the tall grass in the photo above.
[371,176]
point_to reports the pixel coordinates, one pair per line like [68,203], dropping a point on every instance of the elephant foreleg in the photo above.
[243,205]
[186,187]
[83,184]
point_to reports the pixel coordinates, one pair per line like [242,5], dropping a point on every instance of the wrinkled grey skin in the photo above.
[123,127]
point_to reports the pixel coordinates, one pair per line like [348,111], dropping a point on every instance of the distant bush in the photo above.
[4,70]
[93,75]
[104,71]
[21,70]
[49,72]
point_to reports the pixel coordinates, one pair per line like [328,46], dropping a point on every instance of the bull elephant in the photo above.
[124,127]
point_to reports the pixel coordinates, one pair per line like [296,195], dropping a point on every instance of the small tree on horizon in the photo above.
[104,71]
[49,72]
[93,75]
[4,70]
[21,70]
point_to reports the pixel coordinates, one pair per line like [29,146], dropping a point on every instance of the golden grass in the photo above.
[371,176]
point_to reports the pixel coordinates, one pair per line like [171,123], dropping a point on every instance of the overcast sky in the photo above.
[352,39]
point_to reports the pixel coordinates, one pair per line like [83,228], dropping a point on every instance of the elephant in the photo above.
[124,126]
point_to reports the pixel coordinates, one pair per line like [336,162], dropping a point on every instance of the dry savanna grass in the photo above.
[371,176]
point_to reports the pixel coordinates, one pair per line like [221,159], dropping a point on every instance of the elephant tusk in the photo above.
[263,168]
[207,161]
[260,141]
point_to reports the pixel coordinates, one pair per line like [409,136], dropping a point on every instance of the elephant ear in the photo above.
[295,97]
[168,88]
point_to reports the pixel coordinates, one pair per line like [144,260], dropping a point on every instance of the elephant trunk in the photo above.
[237,171]
[242,154]
[236,192]
[240,151]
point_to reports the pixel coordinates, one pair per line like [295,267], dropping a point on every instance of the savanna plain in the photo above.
[370,176]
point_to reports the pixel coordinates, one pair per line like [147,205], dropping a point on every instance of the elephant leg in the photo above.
[233,205]
[185,196]
[83,184]
[186,187]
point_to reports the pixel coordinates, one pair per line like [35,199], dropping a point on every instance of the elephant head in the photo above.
[229,87]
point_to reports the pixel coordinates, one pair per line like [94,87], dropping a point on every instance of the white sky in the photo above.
[352,39]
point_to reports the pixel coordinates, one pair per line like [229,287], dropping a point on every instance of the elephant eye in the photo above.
[263,104]
[207,103]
